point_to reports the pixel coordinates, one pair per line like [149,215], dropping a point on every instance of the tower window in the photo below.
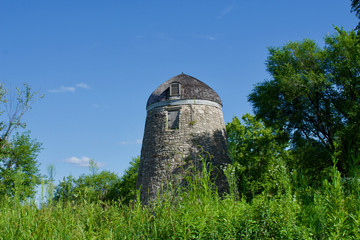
[173,119]
[174,89]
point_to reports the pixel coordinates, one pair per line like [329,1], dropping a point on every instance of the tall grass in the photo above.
[197,212]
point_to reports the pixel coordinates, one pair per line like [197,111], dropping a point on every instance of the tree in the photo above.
[259,155]
[15,108]
[18,152]
[314,97]
[105,186]
[125,189]
[355,7]
[92,187]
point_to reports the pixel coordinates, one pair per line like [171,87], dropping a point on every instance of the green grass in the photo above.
[330,212]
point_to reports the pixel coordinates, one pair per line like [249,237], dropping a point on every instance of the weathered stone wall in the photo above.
[167,153]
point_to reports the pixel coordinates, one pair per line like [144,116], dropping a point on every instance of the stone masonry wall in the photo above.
[166,154]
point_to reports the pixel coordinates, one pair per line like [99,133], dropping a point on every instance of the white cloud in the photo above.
[82,162]
[82,85]
[64,89]
[225,12]
[138,141]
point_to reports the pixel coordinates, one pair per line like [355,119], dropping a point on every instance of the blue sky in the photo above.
[97,63]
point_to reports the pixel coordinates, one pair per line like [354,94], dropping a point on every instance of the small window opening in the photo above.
[174,89]
[173,119]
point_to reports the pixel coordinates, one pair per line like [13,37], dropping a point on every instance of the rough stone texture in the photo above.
[191,88]
[168,154]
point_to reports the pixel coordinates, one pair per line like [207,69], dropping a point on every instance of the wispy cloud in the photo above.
[206,37]
[82,162]
[137,141]
[82,85]
[225,12]
[64,89]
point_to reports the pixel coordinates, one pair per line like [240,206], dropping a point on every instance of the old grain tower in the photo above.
[183,113]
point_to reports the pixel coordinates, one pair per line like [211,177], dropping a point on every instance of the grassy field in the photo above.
[330,212]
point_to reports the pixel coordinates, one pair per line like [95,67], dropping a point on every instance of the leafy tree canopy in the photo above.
[355,7]
[126,187]
[104,185]
[92,187]
[18,152]
[314,96]
[259,156]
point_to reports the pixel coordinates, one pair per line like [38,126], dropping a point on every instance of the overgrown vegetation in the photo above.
[330,212]
[99,186]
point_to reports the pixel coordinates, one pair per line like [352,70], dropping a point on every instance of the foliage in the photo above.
[198,213]
[14,108]
[259,155]
[92,187]
[18,152]
[355,7]
[314,97]
[104,186]
[126,187]
[19,157]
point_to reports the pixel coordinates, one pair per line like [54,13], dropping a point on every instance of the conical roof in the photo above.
[191,88]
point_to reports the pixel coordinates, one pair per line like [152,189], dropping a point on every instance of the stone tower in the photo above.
[183,113]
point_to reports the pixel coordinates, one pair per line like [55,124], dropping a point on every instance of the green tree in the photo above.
[18,152]
[92,187]
[125,188]
[104,185]
[314,97]
[355,7]
[259,156]
[65,190]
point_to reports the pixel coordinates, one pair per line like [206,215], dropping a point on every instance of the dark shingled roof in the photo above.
[191,88]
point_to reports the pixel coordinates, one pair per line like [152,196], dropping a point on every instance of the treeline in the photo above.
[102,186]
